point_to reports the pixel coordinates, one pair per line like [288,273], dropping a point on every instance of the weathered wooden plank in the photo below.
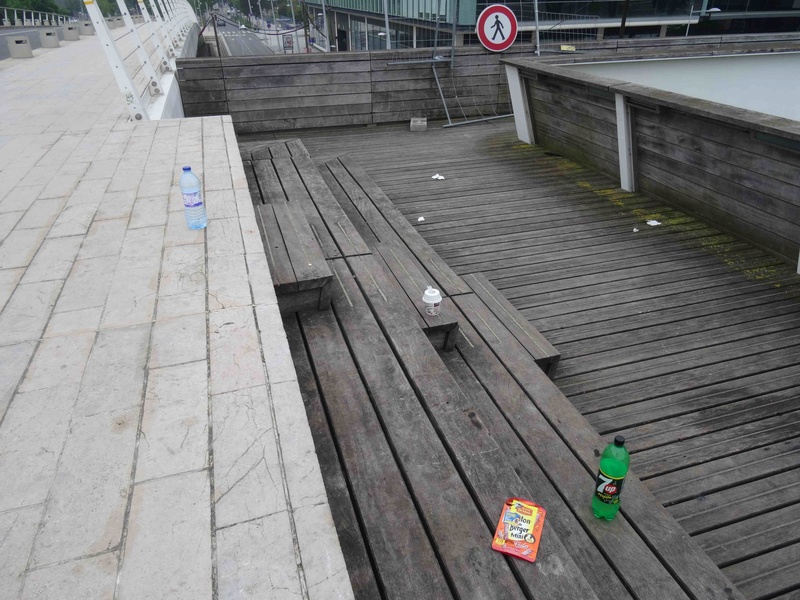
[397,537]
[732,504]
[285,91]
[750,222]
[480,457]
[689,402]
[682,380]
[768,194]
[282,124]
[739,467]
[297,194]
[346,204]
[264,69]
[768,574]
[752,537]
[413,282]
[351,537]
[705,448]
[268,182]
[280,266]
[308,262]
[296,81]
[308,103]
[305,112]
[535,343]
[279,151]
[252,182]
[446,279]
[347,238]
[296,148]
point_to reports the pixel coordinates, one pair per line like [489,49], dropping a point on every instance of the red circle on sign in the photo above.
[509,37]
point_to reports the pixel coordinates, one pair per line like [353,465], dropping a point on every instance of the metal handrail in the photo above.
[11,18]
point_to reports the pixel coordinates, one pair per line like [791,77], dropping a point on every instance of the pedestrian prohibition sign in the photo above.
[497,27]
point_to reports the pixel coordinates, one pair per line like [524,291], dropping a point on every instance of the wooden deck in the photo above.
[682,338]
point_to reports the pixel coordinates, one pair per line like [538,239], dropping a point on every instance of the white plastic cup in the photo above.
[433,301]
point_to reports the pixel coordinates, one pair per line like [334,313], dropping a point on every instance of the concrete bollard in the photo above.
[85,28]
[119,21]
[111,23]
[137,19]
[19,46]
[49,38]
[70,32]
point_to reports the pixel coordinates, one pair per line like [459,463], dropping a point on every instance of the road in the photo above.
[242,42]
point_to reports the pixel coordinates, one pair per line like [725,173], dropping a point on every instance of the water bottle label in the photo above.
[607,489]
[191,200]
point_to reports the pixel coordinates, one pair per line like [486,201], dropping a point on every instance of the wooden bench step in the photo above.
[412,281]
[359,296]
[389,225]
[300,273]
[279,149]
[535,343]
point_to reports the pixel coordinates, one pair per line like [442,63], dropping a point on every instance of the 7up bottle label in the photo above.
[607,488]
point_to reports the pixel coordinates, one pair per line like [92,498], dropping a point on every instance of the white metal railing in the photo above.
[23,17]
[140,54]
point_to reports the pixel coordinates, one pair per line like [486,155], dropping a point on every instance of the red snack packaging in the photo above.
[519,529]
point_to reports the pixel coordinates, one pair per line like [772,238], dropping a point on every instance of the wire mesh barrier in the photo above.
[565,28]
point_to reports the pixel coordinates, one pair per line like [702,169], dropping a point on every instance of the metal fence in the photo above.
[20,17]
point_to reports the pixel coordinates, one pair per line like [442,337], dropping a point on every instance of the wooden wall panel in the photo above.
[723,173]
[576,123]
[278,92]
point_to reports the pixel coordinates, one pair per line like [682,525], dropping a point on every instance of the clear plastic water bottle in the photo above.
[193,207]
[614,464]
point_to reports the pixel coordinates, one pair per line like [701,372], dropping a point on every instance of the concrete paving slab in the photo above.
[171,517]
[247,470]
[174,435]
[17,530]
[93,577]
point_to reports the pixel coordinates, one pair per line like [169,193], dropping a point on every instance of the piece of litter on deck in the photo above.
[635,230]
[437,176]
[653,223]
[420,220]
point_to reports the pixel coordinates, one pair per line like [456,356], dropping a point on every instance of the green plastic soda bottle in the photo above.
[614,464]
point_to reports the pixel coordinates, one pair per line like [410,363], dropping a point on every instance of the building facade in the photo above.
[361,24]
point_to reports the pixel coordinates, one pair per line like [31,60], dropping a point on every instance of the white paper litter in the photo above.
[635,230]
[437,176]
[653,223]
[420,220]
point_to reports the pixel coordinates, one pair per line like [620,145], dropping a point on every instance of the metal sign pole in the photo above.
[386,21]
[536,17]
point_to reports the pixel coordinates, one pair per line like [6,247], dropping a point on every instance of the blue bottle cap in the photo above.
[187,168]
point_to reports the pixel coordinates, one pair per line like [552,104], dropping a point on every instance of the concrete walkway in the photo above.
[153,440]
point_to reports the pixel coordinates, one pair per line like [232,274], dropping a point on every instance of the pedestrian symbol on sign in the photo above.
[497,27]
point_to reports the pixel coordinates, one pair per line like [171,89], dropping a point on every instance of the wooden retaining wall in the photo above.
[272,93]
[577,122]
[736,168]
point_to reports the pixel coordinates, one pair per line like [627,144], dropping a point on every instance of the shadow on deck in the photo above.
[679,336]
